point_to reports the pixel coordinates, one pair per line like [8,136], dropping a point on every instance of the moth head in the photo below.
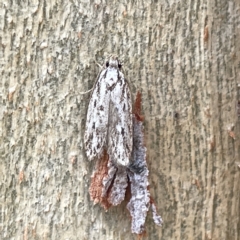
[113,62]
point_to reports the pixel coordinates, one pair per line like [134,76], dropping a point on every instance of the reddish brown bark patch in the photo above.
[137,107]
[96,185]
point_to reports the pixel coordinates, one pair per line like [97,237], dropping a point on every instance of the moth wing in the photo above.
[97,119]
[120,123]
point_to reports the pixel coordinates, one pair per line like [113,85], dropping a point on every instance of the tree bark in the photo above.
[182,55]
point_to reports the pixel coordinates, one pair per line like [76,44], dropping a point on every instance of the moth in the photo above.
[109,123]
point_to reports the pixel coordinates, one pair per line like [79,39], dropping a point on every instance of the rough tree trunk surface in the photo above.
[184,56]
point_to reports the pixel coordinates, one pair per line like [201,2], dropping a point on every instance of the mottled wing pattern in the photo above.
[109,117]
[97,118]
[120,123]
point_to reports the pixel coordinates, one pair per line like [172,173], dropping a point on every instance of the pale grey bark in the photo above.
[184,56]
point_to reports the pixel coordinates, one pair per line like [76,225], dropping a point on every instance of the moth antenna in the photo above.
[82,93]
[101,67]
